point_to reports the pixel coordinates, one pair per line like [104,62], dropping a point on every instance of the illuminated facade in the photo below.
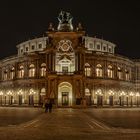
[70,69]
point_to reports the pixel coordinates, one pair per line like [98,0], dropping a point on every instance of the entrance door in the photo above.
[20,99]
[11,100]
[65,98]
[31,100]
[111,100]
[99,100]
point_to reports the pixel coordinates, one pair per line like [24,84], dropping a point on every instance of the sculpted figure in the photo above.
[65,21]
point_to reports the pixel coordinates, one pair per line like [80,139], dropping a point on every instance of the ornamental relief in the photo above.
[65,46]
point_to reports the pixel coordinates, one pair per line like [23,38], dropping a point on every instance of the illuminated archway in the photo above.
[65,94]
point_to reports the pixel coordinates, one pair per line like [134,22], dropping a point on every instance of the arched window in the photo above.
[5,76]
[87,70]
[32,70]
[87,92]
[110,71]
[12,73]
[43,91]
[43,70]
[99,70]
[21,72]
[119,73]
[126,75]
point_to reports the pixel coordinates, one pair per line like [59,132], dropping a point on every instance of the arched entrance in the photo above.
[65,94]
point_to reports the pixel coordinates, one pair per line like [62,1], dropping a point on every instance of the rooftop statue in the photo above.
[65,21]
[65,17]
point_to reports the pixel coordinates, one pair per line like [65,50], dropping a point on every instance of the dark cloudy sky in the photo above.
[115,20]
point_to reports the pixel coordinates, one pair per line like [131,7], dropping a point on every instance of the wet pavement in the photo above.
[75,124]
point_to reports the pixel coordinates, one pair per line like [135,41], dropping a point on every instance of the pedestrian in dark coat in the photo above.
[50,106]
[46,107]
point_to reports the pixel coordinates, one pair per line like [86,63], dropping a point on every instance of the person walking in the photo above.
[46,106]
[50,107]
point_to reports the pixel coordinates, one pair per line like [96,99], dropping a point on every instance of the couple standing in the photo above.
[48,106]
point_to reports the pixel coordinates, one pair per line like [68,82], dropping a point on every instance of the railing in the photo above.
[65,73]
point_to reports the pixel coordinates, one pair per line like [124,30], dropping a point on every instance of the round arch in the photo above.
[65,94]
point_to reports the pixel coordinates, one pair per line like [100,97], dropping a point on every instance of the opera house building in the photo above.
[70,69]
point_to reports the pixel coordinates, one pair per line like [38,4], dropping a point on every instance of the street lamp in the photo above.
[137,95]
[131,95]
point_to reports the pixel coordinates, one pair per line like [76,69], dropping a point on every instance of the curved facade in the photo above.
[70,69]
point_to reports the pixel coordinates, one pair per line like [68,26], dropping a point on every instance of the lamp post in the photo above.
[131,95]
[137,95]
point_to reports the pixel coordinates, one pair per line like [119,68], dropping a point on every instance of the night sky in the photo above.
[117,21]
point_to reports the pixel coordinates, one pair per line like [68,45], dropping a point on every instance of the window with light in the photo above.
[43,70]
[21,72]
[126,75]
[12,73]
[99,70]
[87,70]
[32,70]
[5,75]
[119,73]
[110,71]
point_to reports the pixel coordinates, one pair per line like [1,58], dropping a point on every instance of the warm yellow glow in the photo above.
[110,71]
[98,92]
[122,93]
[20,92]
[31,70]
[87,92]
[126,75]
[9,93]
[99,71]
[119,73]
[131,94]
[111,92]
[43,70]
[137,94]
[21,72]
[32,92]
[65,87]
[1,93]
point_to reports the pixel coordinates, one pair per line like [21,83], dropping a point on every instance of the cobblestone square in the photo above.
[67,124]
